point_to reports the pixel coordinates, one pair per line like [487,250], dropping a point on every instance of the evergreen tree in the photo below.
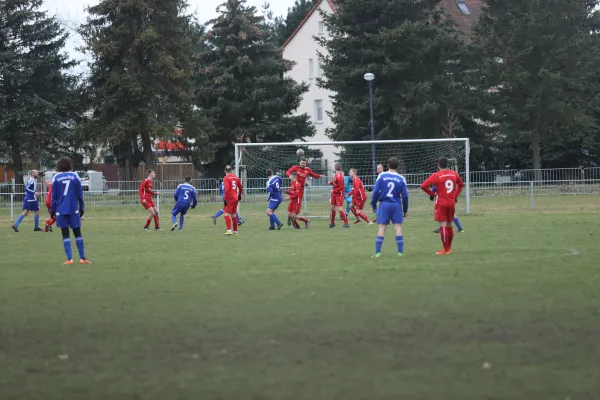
[415,55]
[296,14]
[140,74]
[535,70]
[37,95]
[243,87]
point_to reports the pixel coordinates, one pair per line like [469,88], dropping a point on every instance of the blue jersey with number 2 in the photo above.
[391,192]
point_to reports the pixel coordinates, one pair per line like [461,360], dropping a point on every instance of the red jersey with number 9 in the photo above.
[448,185]
[232,187]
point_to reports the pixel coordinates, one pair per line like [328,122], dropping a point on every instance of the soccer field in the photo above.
[514,313]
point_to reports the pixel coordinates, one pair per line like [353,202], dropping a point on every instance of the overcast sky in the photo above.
[72,13]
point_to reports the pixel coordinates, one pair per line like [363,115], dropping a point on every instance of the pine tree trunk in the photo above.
[536,155]
[147,150]
[17,164]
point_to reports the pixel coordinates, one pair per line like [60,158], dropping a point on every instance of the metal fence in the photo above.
[528,189]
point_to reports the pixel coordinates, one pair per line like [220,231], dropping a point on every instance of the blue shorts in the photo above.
[273,204]
[390,212]
[180,209]
[31,205]
[68,221]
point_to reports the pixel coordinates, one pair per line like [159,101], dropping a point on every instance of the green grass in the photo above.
[306,314]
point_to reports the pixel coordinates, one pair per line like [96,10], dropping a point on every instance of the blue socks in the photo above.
[378,244]
[19,219]
[400,244]
[239,218]
[67,246]
[80,247]
[218,213]
[174,218]
[181,219]
[274,220]
[36,221]
[457,223]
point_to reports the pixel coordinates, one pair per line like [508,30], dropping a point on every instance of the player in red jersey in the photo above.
[50,221]
[295,199]
[232,187]
[302,172]
[359,197]
[448,185]
[146,194]
[337,197]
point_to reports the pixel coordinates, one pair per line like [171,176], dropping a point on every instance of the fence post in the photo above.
[531,189]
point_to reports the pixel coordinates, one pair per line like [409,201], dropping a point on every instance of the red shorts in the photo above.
[443,214]
[231,207]
[337,200]
[294,207]
[149,204]
[358,203]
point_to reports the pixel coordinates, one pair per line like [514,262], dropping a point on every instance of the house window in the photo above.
[321,27]
[463,7]
[311,68]
[318,69]
[318,110]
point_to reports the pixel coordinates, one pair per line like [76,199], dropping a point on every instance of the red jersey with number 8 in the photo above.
[448,185]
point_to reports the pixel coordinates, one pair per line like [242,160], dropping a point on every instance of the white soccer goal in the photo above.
[417,161]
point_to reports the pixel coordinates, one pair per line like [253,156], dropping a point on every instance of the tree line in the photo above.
[523,86]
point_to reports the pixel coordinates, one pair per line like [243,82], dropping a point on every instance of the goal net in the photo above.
[418,160]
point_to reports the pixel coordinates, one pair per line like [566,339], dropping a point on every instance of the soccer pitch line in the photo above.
[401,265]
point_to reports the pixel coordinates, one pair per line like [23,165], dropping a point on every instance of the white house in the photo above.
[302,48]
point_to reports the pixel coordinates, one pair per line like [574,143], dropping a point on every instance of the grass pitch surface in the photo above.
[514,313]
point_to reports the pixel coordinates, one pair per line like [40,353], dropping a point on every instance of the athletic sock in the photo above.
[332,217]
[218,214]
[19,219]
[302,219]
[457,223]
[181,220]
[80,247]
[443,237]
[276,219]
[235,223]
[156,222]
[344,217]
[354,212]
[378,244]
[400,244]
[174,218]
[67,246]
[36,221]
[450,236]
[148,221]
[272,220]
[227,222]
[364,217]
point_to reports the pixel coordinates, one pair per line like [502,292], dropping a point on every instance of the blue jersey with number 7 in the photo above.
[67,194]
[186,194]
[390,187]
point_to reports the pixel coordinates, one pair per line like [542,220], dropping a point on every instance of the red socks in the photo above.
[363,217]
[50,221]
[296,224]
[227,222]
[332,217]
[302,219]
[447,234]
[235,224]
[344,217]
[354,212]
[156,222]
[148,222]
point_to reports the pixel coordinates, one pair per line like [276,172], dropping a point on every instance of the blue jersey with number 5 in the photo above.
[390,187]
[67,194]
[186,195]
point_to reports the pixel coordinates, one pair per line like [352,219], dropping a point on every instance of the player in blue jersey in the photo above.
[221,211]
[392,194]
[456,221]
[67,206]
[274,199]
[185,198]
[347,190]
[30,203]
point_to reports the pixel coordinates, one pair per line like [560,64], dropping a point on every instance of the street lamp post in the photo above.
[369,78]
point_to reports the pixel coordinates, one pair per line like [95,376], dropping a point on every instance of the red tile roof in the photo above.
[464,23]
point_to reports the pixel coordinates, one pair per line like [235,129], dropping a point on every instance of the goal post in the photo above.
[418,158]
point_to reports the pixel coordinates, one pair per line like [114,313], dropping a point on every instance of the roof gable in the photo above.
[463,22]
[312,10]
